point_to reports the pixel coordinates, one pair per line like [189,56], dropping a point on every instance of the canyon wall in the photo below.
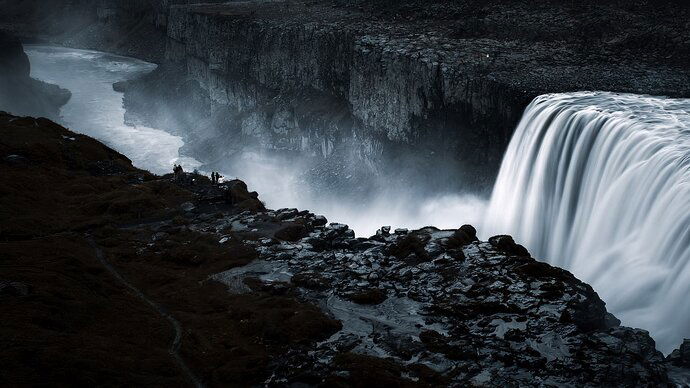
[408,88]
[416,90]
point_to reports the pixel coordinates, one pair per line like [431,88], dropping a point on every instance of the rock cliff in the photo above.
[19,93]
[443,81]
[415,84]
[115,276]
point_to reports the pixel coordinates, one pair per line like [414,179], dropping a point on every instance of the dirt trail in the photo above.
[175,345]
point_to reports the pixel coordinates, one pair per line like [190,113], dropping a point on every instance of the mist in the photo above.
[386,203]
[364,201]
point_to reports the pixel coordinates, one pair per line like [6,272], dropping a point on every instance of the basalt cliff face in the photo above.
[442,83]
[133,27]
[115,276]
[415,84]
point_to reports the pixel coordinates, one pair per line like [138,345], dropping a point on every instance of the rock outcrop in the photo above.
[19,93]
[116,276]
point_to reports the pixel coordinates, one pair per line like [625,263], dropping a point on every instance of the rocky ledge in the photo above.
[116,276]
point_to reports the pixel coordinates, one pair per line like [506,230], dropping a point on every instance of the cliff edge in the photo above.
[115,276]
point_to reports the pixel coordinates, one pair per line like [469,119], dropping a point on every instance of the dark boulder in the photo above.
[412,243]
[291,231]
[236,193]
[461,237]
[507,244]
[310,280]
[371,296]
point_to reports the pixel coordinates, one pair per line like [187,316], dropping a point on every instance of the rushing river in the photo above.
[96,110]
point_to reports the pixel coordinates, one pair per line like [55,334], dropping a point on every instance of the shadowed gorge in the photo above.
[403,193]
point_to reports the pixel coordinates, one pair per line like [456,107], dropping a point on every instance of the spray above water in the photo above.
[97,110]
[283,184]
[599,183]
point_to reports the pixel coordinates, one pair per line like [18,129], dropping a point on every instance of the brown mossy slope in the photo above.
[55,180]
[65,198]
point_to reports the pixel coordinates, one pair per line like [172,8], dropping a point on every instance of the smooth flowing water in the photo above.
[96,110]
[599,183]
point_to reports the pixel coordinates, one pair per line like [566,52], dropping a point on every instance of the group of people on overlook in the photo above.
[178,172]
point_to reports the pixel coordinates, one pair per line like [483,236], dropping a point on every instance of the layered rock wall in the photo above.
[325,86]
[414,84]
[329,80]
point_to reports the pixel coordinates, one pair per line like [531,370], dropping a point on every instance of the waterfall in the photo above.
[599,183]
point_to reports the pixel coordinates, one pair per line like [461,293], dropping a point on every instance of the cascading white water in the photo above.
[599,183]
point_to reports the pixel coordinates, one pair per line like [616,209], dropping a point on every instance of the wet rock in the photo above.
[681,356]
[291,232]
[508,245]
[454,350]
[237,194]
[470,231]
[469,311]
[384,231]
[310,280]
[319,221]
[370,296]
[462,237]
[410,244]
[539,269]
[187,206]
[285,214]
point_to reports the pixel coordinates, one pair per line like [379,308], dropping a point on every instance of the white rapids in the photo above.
[599,183]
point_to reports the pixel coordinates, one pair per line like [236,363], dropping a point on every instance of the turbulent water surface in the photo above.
[599,183]
[95,109]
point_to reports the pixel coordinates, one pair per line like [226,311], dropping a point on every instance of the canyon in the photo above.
[120,276]
[369,83]
[382,109]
